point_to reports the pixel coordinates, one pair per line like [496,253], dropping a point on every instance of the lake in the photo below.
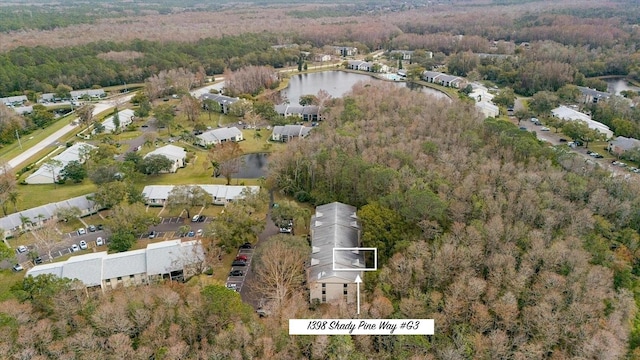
[616,85]
[336,83]
[254,166]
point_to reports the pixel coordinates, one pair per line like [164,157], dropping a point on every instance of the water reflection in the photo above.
[253,166]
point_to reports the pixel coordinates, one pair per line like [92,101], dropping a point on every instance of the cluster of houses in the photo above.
[444,79]
[568,114]
[157,195]
[335,258]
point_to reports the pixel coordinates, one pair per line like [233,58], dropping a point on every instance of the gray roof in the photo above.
[219,135]
[161,192]
[291,130]
[287,110]
[23,109]
[431,74]
[90,92]
[124,264]
[125,116]
[626,143]
[93,268]
[48,96]
[334,225]
[172,152]
[72,153]
[221,99]
[593,92]
[86,268]
[13,99]
[13,221]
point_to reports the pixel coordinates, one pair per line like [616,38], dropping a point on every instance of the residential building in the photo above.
[47,174]
[622,144]
[92,93]
[444,79]
[14,100]
[346,51]
[23,109]
[170,260]
[588,95]
[156,195]
[406,54]
[287,133]
[322,57]
[219,136]
[174,153]
[47,97]
[334,225]
[569,114]
[487,109]
[35,217]
[125,116]
[367,66]
[224,101]
[306,113]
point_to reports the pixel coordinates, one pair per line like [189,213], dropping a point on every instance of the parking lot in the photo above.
[236,282]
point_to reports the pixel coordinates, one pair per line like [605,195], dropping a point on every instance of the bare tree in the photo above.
[8,189]
[280,265]
[225,159]
[191,107]
[85,114]
[47,237]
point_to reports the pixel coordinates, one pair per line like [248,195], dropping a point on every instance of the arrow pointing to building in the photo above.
[358,281]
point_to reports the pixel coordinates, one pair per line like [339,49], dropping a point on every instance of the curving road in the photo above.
[99,107]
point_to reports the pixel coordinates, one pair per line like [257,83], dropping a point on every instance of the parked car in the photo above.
[239,263]
[246,245]
[236,273]
[82,231]
[37,260]
[544,128]
[523,128]
[562,140]
[99,241]
[22,249]
[202,218]
[195,218]
[100,227]
[199,232]
[232,286]
[152,235]
[17,267]
[263,313]
[83,245]
[242,257]
[92,228]
[74,248]
[191,233]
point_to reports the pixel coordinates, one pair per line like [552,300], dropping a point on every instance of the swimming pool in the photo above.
[393,77]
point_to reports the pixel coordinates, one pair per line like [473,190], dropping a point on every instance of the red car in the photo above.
[241,257]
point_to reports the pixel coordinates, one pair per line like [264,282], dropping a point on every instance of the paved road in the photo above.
[99,107]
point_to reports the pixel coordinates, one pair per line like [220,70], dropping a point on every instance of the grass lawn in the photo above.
[36,195]
[10,151]
[7,279]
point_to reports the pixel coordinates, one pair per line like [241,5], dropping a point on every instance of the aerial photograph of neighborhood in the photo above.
[319,179]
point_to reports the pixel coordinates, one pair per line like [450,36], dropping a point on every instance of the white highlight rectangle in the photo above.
[375,259]
[361,327]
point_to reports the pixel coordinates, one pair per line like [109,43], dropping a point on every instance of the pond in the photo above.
[253,166]
[616,85]
[336,83]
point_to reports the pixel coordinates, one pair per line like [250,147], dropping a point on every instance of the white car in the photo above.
[545,129]
[199,232]
[83,245]
[82,231]
[74,248]
[99,241]
[22,249]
